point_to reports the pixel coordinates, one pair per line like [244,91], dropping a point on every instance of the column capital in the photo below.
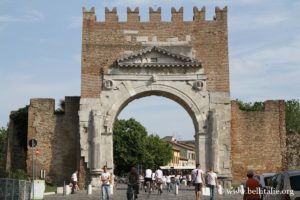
[202,133]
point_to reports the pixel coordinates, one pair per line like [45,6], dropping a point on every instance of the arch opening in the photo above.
[160,116]
[164,94]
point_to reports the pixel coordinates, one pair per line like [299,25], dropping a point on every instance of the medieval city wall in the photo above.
[104,42]
[15,154]
[57,135]
[258,139]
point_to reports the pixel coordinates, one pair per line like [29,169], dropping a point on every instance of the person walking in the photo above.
[168,182]
[74,180]
[189,180]
[251,187]
[212,181]
[105,181]
[133,184]
[198,180]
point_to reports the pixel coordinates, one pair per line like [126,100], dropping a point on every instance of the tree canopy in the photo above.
[133,146]
[3,136]
[20,119]
[292,116]
[249,106]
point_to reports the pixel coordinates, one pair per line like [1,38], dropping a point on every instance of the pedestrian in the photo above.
[212,181]
[105,181]
[133,184]
[189,180]
[198,181]
[251,187]
[168,182]
[74,181]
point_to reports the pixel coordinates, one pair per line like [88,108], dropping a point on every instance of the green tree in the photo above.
[3,136]
[292,115]
[61,108]
[160,150]
[133,146]
[249,106]
[20,119]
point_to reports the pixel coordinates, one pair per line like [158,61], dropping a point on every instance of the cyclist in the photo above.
[159,180]
[133,184]
[148,180]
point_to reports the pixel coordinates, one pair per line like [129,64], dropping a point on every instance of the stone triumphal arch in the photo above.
[182,61]
[185,61]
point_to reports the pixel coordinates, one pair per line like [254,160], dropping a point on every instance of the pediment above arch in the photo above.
[157,57]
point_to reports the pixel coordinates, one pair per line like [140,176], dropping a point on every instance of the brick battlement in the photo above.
[133,15]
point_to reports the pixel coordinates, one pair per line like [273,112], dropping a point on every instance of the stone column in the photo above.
[214,141]
[200,140]
[96,124]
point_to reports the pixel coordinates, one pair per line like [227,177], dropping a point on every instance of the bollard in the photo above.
[176,189]
[64,191]
[89,189]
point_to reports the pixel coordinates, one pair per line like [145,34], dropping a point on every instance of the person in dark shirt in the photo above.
[133,183]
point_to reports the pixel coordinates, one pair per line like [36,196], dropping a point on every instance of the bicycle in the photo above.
[159,186]
[148,187]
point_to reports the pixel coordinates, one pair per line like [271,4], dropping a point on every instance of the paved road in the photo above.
[185,193]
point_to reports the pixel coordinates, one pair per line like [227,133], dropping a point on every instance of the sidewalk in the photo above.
[185,193]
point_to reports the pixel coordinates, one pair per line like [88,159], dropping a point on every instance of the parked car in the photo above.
[286,184]
[265,181]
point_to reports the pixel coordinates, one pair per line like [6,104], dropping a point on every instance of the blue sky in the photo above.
[40,47]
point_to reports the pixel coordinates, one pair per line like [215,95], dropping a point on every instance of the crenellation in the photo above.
[177,16]
[199,15]
[89,14]
[133,15]
[111,16]
[221,14]
[155,15]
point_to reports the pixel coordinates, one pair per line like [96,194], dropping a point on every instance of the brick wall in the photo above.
[258,139]
[58,138]
[104,42]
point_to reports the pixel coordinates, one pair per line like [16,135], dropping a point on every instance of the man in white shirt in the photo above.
[74,180]
[158,177]
[198,179]
[148,178]
[212,181]
[105,180]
